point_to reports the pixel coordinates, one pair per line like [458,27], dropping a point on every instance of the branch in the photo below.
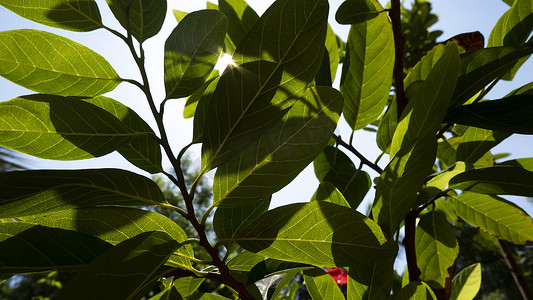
[395,15]
[517,273]
[410,246]
[224,276]
[363,159]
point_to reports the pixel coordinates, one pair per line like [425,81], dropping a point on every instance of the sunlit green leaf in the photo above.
[142,18]
[446,151]
[116,224]
[367,70]
[512,114]
[283,152]
[425,111]
[335,167]
[436,248]
[512,29]
[26,247]
[200,114]
[169,292]
[479,68]
[192,50]
[387,127]
[245,261]
[370,281]
[27,193]
[421,70]
[357,11]
[466,284]
[496,180]
[321,285]
[328,192]
[318,233]
[51,64]
[241,18]
[61,128]
[72,15]
[496,216]
[476,142]
[273,69]
[179,15]
[123,270]
[192,101]
[396,191]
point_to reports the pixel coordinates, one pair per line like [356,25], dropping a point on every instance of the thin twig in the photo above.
[410,246]
[363,159]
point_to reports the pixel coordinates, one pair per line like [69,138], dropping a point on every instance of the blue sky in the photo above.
[455,16]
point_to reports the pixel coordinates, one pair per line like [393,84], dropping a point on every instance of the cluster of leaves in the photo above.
[271,113]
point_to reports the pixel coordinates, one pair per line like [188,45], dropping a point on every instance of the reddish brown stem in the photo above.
[395,15]
[410,246]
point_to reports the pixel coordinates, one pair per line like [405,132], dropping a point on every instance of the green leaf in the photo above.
[143,151]
[436,248]
[186,286]
[496,180]
[28,247]
[27,193]
[123,270]
[169,292]
[425,111]
[357,11]
[116,224]
[328,192]
[447,151]
[367,70]
[321,285]
[142,18]
[192,101]
[179,15]
[200,115]
[335,167]
[332,48]
[416,290]
[525,163]
[496,216]
[62,128]
[241,18]
[512,114]
[245,261]
[476,142]
[273,68]
[230,221]
[278,156]
[271,267]
[479,68]
[512,29]
[51,64]
[387,127]
[370,281]
[72,15]
[396,191]
[466,284]
[422,68]
[192,50]
[318,233]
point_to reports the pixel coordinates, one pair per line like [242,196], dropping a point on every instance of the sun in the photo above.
[224,60]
